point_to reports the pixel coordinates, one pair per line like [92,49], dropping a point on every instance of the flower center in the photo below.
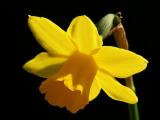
[78,72]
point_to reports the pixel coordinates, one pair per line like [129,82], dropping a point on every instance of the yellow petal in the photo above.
[115,90]
[95,89]
[57,94]
[84,34]
[119,62]
[50,36]
[44,65]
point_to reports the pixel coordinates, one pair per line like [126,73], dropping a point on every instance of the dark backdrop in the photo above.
[139,20]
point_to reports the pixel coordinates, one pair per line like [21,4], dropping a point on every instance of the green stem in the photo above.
[133,112]
[122,42]
[133,108]
[111,24]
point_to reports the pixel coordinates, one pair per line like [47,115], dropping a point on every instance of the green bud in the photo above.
[105,24]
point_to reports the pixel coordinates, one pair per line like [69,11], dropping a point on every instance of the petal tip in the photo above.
[85,16]
[146,61]
[29,15]
[134,101]
[26,67]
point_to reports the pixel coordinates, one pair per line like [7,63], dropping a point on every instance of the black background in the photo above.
[139,20]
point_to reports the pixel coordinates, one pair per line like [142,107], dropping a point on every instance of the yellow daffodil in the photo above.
[77,66]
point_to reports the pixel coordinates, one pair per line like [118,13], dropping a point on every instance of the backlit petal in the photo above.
[50,36]
[119,62]
[115,90]
[57,94]
[44,65]
[84,34]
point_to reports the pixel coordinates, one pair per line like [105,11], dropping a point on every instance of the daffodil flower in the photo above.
[77,66]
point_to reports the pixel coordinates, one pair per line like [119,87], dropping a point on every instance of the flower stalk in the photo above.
[119,34]
[122,42]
